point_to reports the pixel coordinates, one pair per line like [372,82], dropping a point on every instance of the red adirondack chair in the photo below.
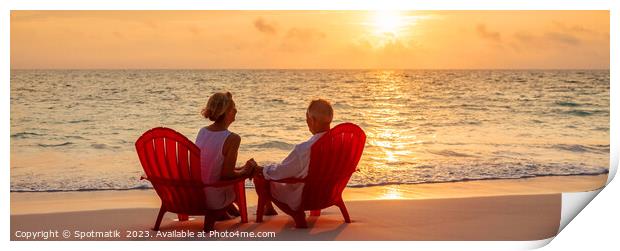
[171,163]
[333,159]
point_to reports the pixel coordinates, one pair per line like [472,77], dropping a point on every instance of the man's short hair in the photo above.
[321,109]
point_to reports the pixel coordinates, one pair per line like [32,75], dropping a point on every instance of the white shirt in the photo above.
[211,164]
[295,165]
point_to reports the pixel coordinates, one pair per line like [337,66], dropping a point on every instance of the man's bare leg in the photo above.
[262,189]
[270,210]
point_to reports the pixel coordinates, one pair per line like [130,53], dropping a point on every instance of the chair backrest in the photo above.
[172,163]
[333,159]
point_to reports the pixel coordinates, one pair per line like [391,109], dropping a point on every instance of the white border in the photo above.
[596,226]
[7,5]
[614,105]
[310,4]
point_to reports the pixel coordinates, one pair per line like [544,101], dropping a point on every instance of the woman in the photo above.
[218,151]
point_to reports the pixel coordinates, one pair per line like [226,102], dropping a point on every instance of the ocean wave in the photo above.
[56,145]
[22,135]
[148,186]
[567,103]
[406,163]
[449,153]
[572,81]
[474,179]
[580,113]
[25,89]
[99,146]
[155,91]
[471,122]
[90,189]
[74,137]
[581,148]
[278,101]
[273,144]
[342,105]
[518,80]
[79,121]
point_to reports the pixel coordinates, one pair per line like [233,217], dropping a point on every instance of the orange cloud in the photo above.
[562,38]
[261,25]
[484,33]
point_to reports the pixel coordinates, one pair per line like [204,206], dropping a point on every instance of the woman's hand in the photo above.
[250,168]
[256,169]
[251,162]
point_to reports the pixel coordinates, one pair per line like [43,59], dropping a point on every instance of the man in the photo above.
[319,115]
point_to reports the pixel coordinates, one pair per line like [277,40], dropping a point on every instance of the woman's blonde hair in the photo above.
[217,106]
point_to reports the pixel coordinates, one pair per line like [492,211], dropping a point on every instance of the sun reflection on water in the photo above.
[390,156]
[391,193]
[390,144]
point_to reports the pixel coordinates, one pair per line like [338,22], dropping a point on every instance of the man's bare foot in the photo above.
[269,210]
[233,211]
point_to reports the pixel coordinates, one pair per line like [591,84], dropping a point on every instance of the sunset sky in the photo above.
[310,39]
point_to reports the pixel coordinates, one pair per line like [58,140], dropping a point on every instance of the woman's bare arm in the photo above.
[230,151]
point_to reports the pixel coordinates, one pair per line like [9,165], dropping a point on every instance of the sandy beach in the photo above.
[516,209]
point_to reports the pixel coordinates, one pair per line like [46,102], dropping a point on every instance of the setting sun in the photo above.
[388,22]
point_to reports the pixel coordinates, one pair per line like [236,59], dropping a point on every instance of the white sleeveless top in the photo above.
[211,163]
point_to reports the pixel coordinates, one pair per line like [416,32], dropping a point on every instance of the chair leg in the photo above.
[260,209]
[300,219]
[160,216]
[241,202]
[315,213]
[343,210]
[244,213]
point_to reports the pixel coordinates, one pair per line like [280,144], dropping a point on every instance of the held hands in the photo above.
[252,168]
[251,162]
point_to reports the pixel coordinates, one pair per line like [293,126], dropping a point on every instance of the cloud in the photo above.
[562,38]
[525,41]
[524,36]
[194,30]
[486,34]
[261,25]
[574,28]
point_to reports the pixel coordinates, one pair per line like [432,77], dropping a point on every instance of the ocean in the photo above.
[74,130]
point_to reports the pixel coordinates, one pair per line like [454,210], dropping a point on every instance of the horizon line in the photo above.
[310,69]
